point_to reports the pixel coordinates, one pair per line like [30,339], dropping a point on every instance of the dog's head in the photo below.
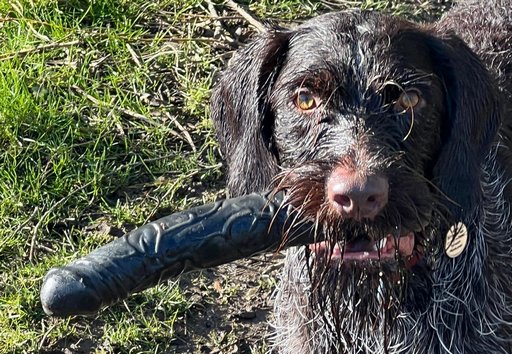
[375,127]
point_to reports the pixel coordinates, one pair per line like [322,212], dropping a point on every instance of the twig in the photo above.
[124,111]
[214,14]
[43,47]
[40,48]
[185,132]
[219,24]
[38,225]
[136,58]
[46,333]
[169,191]
[251,19]
[148,59]
[39,22]
[171,39]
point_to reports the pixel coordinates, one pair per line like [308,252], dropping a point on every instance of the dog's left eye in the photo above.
[305,101]
[408,100]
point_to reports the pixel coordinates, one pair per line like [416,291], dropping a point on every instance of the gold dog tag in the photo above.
[456,240]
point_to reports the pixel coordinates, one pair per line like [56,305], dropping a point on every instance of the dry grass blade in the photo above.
[245,14]
[184,131]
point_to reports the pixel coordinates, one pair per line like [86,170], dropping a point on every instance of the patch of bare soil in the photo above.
[231,307]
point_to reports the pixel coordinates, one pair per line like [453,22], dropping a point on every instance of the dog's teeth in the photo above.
[378,245]
[382,243]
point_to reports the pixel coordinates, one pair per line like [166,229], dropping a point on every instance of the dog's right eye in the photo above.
[305,100]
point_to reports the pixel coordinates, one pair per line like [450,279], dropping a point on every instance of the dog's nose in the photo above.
[355,196]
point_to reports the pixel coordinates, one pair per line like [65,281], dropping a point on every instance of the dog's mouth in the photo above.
[398,236]
[364,249]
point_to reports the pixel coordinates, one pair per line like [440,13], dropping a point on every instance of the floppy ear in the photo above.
[242,115]
[473,117]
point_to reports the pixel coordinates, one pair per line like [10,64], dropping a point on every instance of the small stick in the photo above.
[251,19]
[124,111]
[219,24]
[40,48]
[184,131]
[214,15]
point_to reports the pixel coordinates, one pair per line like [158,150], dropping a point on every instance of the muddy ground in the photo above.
[231,309]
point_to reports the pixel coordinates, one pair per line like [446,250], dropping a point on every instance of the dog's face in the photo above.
[358,117]
[357,129]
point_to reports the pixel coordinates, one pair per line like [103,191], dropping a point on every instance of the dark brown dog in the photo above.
[389,136]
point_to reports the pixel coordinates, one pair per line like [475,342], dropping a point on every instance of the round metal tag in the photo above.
[456,240]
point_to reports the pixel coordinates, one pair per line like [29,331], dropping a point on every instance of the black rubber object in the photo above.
[201,237]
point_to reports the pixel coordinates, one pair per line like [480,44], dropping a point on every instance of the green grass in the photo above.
[103,127]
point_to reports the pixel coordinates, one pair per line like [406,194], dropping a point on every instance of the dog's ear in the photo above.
[242,115]
[471,123]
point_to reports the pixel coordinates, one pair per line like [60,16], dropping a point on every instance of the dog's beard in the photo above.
[356,298]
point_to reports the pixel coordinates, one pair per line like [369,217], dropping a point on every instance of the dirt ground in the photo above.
[231,307]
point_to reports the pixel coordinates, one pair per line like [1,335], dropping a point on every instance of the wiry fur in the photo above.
[447,161]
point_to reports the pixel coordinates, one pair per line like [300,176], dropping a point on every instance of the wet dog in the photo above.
[393,138]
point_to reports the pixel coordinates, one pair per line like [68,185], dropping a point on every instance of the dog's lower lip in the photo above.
[388,247]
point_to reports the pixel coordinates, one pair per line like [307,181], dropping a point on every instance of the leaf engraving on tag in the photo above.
[456,240]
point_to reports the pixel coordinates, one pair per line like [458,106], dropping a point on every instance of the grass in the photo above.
[103,127]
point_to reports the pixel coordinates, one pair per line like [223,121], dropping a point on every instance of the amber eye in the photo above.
[305,101]
[408,100]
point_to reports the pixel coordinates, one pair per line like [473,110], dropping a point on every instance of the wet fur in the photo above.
[447,161]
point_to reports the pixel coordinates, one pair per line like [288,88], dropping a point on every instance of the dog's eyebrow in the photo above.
[314,78]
